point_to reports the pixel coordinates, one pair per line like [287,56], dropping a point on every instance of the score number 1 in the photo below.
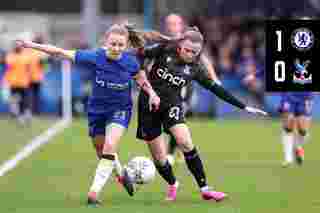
[279,66]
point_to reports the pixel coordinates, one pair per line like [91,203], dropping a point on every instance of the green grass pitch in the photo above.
[242,158]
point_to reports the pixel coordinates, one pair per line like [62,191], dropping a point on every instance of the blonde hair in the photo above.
[135,38]
[117,29]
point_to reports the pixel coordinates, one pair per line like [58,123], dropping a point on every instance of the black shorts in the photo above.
[19,92]
[151,124]
[22,95]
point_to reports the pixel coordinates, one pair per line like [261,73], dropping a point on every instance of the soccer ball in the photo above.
[141,170]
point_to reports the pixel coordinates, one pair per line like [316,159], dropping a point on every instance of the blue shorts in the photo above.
[298,108]
[98,121]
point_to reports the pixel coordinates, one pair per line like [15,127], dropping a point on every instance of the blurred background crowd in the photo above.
[234,33]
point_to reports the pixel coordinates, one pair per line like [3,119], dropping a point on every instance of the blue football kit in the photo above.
[110,100]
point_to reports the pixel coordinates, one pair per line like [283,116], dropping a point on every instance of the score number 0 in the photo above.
[279,66]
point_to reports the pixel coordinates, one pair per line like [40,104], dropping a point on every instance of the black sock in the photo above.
[195,166]
[166,172]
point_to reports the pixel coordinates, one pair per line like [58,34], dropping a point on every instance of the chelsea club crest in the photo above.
[302,39]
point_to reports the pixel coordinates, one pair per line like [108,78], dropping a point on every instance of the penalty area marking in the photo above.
[36,143]
[45,137]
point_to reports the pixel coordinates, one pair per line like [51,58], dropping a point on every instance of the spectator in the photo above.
[17,78]
[251,76]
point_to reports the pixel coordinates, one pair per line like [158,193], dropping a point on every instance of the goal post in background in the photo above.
[55,129]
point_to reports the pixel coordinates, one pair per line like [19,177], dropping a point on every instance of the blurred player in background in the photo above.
[175,66]
[110,105]
[3,65]
[295,109]
[37,61]
[17,78]
[174,26]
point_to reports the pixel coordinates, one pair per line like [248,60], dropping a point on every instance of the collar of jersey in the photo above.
[104,50]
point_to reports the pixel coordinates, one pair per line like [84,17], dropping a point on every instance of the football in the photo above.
[141,170]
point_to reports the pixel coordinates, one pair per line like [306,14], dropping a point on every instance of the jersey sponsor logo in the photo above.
[175,80]
[115,86]
[100,82]
[110,85]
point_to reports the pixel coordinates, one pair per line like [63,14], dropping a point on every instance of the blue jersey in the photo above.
[111,87]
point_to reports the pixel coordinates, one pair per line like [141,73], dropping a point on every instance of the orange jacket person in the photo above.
[17,77]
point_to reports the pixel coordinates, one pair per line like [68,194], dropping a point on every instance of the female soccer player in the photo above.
[174,68]
[295,109]
[110,105]
[175,25]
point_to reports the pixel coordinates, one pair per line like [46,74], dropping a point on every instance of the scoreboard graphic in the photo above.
[292,55]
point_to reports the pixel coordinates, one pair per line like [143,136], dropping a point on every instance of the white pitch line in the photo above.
[38,141]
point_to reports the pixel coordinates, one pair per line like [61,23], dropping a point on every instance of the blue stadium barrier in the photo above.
[203,102]
[51,90]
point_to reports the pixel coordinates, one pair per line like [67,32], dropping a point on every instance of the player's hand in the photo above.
[23,44]
[256,111]
[154,102]
[217,81]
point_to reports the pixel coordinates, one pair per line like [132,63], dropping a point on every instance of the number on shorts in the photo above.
[121,115]
[174,112]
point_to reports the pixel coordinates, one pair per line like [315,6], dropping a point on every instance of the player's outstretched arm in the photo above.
[222,93]
[144,84]
[209,67]
[47,48]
